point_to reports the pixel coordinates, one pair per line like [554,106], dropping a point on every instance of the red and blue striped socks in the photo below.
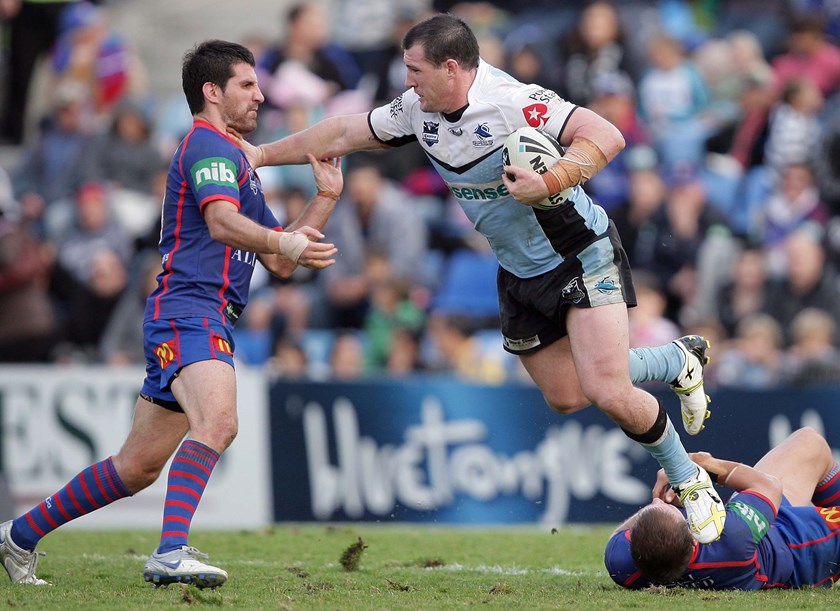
[95,487]
[188,475]
[827,493]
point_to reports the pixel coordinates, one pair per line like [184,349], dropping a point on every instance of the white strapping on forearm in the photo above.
[582,160]
[729,475]
[292,244]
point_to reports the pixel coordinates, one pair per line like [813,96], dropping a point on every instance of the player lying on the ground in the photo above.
[782,530]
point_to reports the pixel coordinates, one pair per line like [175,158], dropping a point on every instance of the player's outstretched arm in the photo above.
[332,137]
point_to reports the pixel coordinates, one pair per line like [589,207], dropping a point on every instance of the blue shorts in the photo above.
[813,537]
[170,345]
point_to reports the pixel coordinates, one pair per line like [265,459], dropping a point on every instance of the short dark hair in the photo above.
[444,37]
[211,61]
[661,545]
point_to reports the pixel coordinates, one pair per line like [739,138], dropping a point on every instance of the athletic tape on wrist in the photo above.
[582,160]
[328,193]
[291,245]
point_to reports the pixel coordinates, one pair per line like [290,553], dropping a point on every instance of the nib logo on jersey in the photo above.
[214,170]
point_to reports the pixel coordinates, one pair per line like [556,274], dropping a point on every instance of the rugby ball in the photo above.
[534,149]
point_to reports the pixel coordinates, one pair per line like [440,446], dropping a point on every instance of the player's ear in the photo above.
[451,67]
[211,91]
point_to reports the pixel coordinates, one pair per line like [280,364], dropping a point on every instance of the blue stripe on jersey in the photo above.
[200,275]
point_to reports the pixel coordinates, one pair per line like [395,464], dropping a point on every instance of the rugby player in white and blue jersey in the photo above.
[564,282]
[215,226]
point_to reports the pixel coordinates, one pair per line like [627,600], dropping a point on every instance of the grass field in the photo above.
[399,567]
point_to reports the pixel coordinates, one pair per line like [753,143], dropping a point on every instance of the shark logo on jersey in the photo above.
[573,292]
[606,285]
[455,131]
[430,133]
[396,107]
[485,138]
[535,114]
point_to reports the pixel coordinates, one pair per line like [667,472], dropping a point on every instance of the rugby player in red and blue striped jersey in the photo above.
[215,226]
[782,530]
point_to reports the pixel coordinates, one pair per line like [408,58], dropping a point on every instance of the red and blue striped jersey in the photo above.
[751,554]
[200,275]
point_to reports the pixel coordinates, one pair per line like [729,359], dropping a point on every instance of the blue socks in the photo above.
[188,475]
[95,487]
[662,363]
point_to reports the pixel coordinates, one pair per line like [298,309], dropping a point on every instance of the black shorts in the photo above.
[533,310]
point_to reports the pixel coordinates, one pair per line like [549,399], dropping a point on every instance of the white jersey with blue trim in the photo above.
[467,153]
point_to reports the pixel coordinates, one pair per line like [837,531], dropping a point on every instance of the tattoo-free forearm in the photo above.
[316,213]
[332,137]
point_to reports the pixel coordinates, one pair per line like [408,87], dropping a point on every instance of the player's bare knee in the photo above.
[137,475]
[609,399]
[220,435]
[812,439]
[564,403]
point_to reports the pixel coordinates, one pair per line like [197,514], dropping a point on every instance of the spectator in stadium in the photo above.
[405,354]
[780,532]
[288,360]
[28,326]
[679,230]
[595,47]
[810,55]
[215,224]
[33,27]
[126,159]
[615,100]
[347,356]
[391,309]
[306,62]
[559,312]
[753,358]
[52,167]
[645,195]
[89,52]
[121,343]
[375,229]
[672,98]
[125,156]
[453,336]
[91,270]
[745,291]
[813,357]
[827,164]
[793,129]
[806,281]
[793,204]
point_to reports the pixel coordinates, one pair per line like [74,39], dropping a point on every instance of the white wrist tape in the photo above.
[292,245]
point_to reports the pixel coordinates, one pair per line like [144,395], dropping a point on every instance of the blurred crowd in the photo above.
[727,196]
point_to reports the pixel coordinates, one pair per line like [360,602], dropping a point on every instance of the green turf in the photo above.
[394,567]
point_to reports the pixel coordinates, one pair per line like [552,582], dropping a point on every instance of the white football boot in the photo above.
[705,512]
[689,384]
[19,563]
[183,565]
